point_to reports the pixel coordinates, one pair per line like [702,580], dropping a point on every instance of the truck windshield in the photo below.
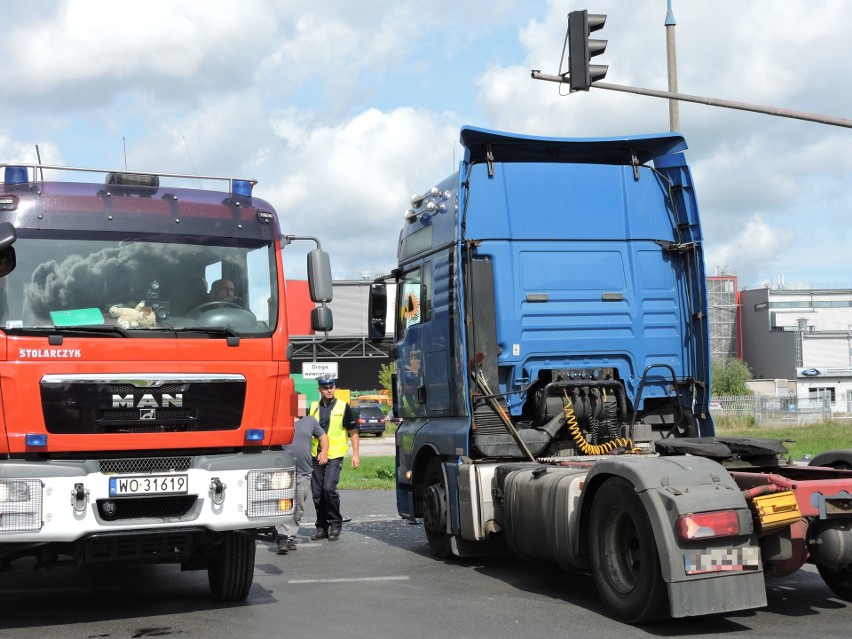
[140,284]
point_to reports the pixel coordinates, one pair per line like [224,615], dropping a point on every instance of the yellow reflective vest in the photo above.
[337,444]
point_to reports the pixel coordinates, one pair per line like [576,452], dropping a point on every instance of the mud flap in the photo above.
[723,593]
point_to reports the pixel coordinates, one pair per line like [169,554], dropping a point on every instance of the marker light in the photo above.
[17,175]
[241,187]
[8,202]
[255,435]
[36,439]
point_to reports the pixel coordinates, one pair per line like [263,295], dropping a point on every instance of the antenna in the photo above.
[124,142]
[38,158]
[190,158]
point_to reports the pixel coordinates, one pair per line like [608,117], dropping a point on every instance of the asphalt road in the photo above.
[372,446]
[378,580]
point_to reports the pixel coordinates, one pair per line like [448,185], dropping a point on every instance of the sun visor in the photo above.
[484,145]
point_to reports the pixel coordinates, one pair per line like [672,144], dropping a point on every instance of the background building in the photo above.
[801,334]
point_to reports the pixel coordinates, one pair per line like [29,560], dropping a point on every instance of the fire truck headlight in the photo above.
[20,505]
[273,480]
[16,491]
[271,492]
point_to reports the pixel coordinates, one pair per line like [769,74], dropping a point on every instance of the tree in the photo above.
[730,377]
[385,373]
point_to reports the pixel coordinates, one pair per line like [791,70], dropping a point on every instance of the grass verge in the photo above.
[809,439]
[375,473]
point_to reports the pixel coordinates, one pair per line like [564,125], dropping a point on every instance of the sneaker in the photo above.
[319,534]
[282,547]
[290,543]
[333,534]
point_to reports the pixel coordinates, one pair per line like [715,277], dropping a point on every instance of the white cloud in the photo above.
[342,109]
[85,49]
[350,183]
[754,247]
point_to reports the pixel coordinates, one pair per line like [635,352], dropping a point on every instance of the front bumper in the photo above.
[64,501]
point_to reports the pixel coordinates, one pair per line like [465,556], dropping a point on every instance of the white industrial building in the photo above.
[801,334]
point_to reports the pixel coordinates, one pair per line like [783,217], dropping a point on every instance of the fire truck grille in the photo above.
[86,406]
[152,428]
[129,389]
[144,465]
[126,415]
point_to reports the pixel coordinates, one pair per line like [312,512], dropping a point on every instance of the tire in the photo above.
[230,567]
[435,508]
[625,563]
[839,579]
[379,434]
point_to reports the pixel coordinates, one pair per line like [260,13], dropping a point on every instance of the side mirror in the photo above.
[321,319]
[8,235]
[319,276]
[7,261]
[377,310]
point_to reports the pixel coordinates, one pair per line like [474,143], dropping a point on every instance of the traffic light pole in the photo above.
[728,104]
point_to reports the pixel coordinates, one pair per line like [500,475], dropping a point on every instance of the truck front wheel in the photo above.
[839,579]
[625,563]
[230,567]
[435,508]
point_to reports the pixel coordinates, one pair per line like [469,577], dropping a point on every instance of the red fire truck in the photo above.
[143,420]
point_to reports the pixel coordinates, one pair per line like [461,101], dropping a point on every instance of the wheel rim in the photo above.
[622,551]
[434,511]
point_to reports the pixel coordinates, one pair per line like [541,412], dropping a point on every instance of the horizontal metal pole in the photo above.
[728,104]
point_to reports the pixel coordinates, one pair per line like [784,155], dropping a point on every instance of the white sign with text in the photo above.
[313,370]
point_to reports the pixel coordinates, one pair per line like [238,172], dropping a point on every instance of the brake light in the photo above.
[721,523]
[361,420]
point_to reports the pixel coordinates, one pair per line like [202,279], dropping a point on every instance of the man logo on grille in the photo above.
[148,400]
[147,413]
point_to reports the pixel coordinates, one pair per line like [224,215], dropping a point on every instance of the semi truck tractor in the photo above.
[144,414]
[552,378]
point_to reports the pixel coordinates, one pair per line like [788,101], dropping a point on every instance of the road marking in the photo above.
[341,580]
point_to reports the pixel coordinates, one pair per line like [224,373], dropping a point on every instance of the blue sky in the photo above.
[342,110]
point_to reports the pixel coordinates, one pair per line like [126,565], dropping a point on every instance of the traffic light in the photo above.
[581,49]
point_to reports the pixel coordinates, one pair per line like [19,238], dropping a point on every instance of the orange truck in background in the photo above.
[141,419]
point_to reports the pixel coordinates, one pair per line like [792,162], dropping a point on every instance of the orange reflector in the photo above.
[285,504]
[722,523]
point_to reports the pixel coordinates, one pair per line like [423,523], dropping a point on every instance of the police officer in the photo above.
[336,419]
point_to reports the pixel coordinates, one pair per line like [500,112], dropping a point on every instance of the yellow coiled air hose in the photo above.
[585,447]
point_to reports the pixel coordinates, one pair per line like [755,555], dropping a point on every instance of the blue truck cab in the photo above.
[549,272]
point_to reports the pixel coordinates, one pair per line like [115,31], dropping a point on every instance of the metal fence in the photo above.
[771,410]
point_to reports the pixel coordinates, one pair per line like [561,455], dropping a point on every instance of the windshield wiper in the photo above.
[212,331]
[105,329]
